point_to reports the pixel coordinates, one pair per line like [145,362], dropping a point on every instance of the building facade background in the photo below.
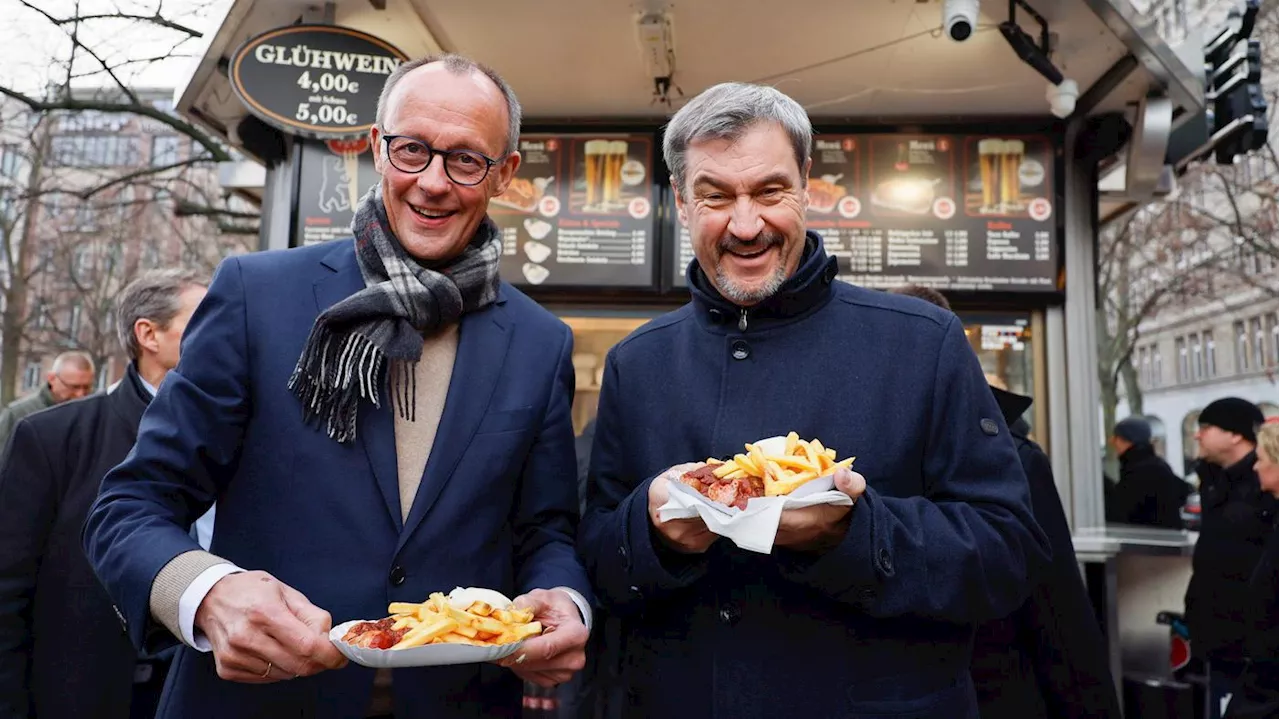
[88,201]
[1218,336]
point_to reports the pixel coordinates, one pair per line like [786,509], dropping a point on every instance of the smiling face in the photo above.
[433,217]
[744,204]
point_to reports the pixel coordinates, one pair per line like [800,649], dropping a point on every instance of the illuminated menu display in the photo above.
[953,212]
[580,212]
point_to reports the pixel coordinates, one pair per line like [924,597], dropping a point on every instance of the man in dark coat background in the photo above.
[71,377]
[1236,520]
[1148,493]
[62,652]
[862,611]
[1047,660]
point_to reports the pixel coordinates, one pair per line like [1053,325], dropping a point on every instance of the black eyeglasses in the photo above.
[411,155]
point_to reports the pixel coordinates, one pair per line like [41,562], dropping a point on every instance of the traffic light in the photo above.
[1233,89]
[1234,120]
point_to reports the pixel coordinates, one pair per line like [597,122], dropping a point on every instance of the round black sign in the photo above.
[318,81]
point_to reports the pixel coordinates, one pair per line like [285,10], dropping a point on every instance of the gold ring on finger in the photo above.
[267,673]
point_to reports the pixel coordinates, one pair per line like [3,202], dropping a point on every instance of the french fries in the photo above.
[437,621]
[802,461]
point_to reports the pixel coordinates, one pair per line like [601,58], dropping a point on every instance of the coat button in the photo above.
[886,561]
[741,350]
[397,575]
[829,274]
[717,317]
[730,614]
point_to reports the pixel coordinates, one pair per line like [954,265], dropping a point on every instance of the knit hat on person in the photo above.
[1233,415]
[1134,429]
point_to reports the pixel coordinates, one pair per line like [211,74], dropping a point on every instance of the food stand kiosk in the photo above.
[936,162]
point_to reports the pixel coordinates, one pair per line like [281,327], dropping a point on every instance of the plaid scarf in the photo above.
[379,331]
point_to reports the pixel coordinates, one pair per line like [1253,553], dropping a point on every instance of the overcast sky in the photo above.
[34,52]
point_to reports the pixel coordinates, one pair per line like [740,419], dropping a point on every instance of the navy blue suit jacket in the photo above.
[496,507]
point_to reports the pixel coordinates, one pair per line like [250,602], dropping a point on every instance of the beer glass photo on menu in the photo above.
[1006,177]
[610,174]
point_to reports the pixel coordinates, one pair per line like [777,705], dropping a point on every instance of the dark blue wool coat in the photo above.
[943,538]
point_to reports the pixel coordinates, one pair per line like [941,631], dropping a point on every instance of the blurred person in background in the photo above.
[1256,695]
[1149,493]
[71,377]
[1237,518]
[1048,659]
[62,652]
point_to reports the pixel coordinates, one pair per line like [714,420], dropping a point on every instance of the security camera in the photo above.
[959,17]
[1062,98]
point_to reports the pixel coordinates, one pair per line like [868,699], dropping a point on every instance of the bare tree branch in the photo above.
[145,172]
[156,19]
[216,151]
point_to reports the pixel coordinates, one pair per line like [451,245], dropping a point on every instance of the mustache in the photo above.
[763,241]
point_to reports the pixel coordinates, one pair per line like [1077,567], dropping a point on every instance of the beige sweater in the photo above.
[414,440]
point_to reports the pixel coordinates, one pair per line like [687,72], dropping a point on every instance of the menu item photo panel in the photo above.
[1008,177]
[580,212]
[912,176]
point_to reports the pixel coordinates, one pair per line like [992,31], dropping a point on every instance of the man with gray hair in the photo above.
[865,609]
[50,599]
[71,377]
[377,419]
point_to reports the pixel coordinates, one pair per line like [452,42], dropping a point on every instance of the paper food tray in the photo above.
[429,655]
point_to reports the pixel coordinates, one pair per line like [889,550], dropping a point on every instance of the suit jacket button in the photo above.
[397,575]
[730,614]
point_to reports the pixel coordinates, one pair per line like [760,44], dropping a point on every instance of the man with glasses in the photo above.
[376,419]
[72,377]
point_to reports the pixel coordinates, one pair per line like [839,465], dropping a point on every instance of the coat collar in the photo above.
[129,398]
[1012,406]
[806,290]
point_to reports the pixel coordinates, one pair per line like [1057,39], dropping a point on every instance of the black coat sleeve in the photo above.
[1057,625]
[1128,503]
[29,499]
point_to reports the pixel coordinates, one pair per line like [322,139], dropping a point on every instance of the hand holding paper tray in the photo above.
[755,527]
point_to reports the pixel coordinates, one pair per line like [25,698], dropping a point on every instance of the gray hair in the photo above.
[153,296]
[458,65]
[75,358]
[725,112]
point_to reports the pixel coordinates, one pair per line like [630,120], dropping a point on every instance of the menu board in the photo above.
[953,212]
[332,177]
[580,212]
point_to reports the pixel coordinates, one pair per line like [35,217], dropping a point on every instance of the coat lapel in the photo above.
[483,338]
[375,429]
